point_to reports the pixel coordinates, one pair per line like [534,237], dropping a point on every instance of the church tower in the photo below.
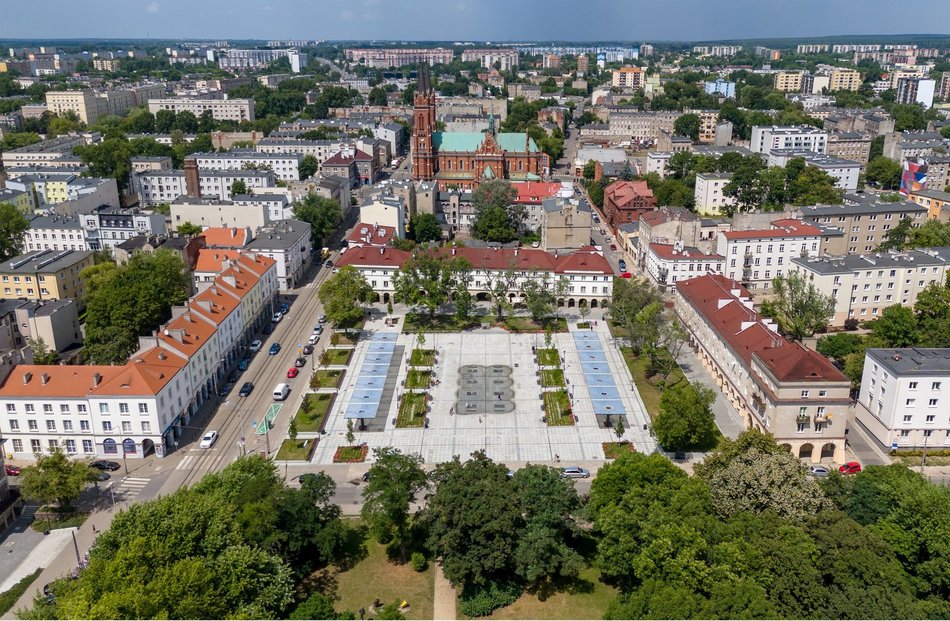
[424,124]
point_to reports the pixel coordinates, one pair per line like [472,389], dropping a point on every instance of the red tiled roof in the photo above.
[344,158]
[780,228]
[225,237]
[525,259]
[739,327]
[378,235]
[211,259]
[533,192]
[622,192]
[370,255]
[688,253]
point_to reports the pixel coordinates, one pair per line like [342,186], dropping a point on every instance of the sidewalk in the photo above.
[443,598]
[727,419]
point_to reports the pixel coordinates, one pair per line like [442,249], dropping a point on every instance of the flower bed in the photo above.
[422,357]
[351,454]
[552,377]
[412,410]
[613,450]
[327,378]
[418,379]
[557,408]
[548,357]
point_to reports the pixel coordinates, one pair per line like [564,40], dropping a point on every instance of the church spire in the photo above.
[424,83]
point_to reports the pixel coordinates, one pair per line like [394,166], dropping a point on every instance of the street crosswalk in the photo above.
[185,463]
[130,487]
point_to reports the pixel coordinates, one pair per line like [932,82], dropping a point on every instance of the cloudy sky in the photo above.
[501,20]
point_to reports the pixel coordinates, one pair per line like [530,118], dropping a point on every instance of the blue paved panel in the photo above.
[594,368]
[374,370]
[378,358]
[601,384]
[365,400]
[381,347]
[593,356]
[385,336]
[604,408]
[370,382]
[359,410]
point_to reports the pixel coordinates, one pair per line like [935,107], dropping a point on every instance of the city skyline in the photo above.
[694,20]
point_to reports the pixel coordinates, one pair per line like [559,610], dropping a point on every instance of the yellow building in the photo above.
[844,80]
[45,275]
[936,202]
[788,81]
[23,201]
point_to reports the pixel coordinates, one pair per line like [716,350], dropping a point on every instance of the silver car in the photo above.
[575,472]
[819,471]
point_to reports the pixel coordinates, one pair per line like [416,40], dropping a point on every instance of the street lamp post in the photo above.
[125,464]
[112,493]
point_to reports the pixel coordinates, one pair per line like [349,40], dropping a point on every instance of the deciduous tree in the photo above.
[13,225]
[55,479]
[801,308]
[343,296]
[685,421]
[321,213]
[395,481]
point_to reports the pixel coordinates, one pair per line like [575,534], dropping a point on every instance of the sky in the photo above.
[463,20]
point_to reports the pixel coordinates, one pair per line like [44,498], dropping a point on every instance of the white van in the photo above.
[281,391]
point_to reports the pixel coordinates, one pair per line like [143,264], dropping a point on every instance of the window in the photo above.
[935,386]
[84,425]
[18,446]
[47,408]
[31,424]
[103,408]
[70,446]
[51,425]
[35,446]
[804,394]
[14,424]
[146,427]
[910,403]
[932,403]
[81,408]
[87,446]
[126,427]
[53,444]
[930,418]
[143,408]
[822,393]
[912,386]
[106,426]
[907,418]
[123,408]
[11,408]
[802,427]
[67,425]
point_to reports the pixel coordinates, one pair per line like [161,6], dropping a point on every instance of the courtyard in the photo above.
[486,393]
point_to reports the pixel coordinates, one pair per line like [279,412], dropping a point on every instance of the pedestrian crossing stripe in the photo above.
[185,463]
[134,482]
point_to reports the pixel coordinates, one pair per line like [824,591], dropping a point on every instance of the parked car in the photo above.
[318,329]
[274,349]
[246,389]
[244,364]
[105,464]
[12,471]
[284,308]
[277,317]
[208,440]
[268,329]
[596,219]
[299,362]
[819,471]
[224,389]
[536,244]
[322,319]
[256,346]
[622,265]
[292,372]
[852,467]
[328,264]
[613,246]
[313,339]
[233,378]
[101,476]
[308,349]
[575,472]
[626,275]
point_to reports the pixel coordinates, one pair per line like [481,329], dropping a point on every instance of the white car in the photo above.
[256,345]
[277,317]
[313,339]
[208,440]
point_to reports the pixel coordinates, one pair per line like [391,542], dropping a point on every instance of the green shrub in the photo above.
[418,561]
[482,601]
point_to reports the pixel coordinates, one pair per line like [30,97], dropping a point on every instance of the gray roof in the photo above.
[54,222]
[46,307]
[883,260]
[243,198]
[44,261]
[937,194]
[913,361]
[281,235]
[52,145]
[861,208]
[717,151]
[630,227]
[556,203]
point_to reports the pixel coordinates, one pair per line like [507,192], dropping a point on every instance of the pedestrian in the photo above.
[362,613]
[479,420]
[94,529]
[557,458]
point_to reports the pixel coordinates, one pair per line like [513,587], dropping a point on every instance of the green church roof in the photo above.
[470,141]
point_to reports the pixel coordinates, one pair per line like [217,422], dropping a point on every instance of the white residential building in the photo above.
[164,186]
[904,397]
[844,172]
[668,263]
[708,193]
[211,212]
[140,407]
[221,109]
[799,137]
[288,242]
[755,257]
[106,228]
[285,165]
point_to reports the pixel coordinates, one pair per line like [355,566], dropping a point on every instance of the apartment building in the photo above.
[321,150]
[875,122]
[641,125]
[936,202]
[221,109]
[708,194]
[788,81]
[45,275]
[141,407]
[756,256]
[565,224]
[55,232]
[903,398]
[241,59]
[800,137]
[720,87]
[938,173]
[777,386]
[211,212]
[627,77]
[289,243]
[844,172]
[384,58]
[854,146]
[864,223]
[914,144]
[90,105]
[286,166]
[862,286]
[53,152]
[107,227]
[164,186]
[506,58]
[586,273]
[844,80]
[626,201]
[916,91]
[665,264]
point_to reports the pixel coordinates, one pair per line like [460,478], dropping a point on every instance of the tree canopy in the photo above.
[497,218]
[13,225]
[801,308]
[55,478]
[343,296]
[321,213]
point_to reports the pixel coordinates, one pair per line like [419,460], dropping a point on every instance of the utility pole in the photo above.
[923,454]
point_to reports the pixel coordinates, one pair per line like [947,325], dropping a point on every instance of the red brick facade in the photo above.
[626,201]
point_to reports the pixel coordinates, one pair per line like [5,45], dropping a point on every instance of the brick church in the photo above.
[465,159]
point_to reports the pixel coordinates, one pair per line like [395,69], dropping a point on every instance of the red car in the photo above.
[852,467]
[12,471]
[626,275]
[613,246]
[292,372]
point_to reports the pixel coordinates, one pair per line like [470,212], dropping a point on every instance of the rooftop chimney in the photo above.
[44,378]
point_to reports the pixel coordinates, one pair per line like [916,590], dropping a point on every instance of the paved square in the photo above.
[487,396]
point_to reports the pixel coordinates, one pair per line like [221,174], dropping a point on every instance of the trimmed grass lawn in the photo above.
[376,577]
[339,356]
[617,331]
[548,357]
[649,392]
[40,524]
[313,412]
[343,338]
[296,449]
[440,323]
[527,324]
[418,379]
[557,408]
[9,598]
[327,378]
[552,377]
[422,357]
[412,409]
[588,599]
